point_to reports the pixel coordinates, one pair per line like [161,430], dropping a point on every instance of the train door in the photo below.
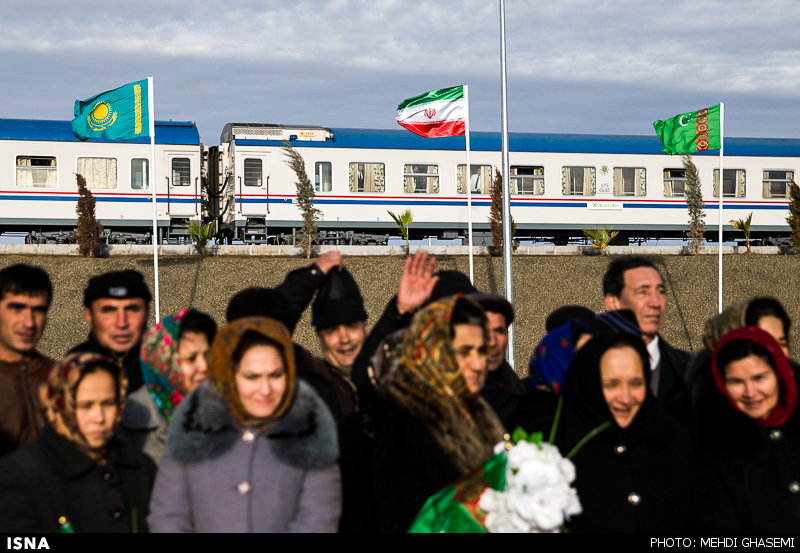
[252,184]
[183,185]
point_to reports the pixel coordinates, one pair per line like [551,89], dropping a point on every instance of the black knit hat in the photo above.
[118,285]
[339,301]
[449,283]
[495,303]
[565,313]
[261,302]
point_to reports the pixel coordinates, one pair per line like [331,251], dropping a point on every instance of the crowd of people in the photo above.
[187,427]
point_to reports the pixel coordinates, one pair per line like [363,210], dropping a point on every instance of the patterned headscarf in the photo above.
[161,364]
[552,356]
[57,396]
[222,369]
[428,350]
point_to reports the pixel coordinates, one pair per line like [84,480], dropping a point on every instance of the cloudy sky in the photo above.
[573,65]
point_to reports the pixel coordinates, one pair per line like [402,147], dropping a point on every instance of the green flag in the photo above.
[117,114]
[690,132]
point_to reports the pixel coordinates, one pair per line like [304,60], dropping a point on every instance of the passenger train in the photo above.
[561,183]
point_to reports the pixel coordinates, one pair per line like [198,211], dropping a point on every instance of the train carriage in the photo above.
[561,183]
[38,187]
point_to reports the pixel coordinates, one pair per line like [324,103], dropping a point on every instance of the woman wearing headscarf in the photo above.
[748,436]
[253,449]
[76,476]
[763,312]
[633,460]
[434,426]
[173,364]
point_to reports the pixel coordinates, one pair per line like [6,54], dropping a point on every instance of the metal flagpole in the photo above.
[508,280]
[469,187]
[721,193]
[153,182]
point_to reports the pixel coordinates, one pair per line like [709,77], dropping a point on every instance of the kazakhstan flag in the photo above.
[118,114]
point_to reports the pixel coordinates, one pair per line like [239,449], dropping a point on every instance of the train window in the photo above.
[421,178]
[578,181]
[630,181]
[99,172]
[139,174]
[776,183]
[674,182]
[181,171]
[323,176]
[367,177]
[527,179]
[252,171]
[480,178]
[36,172]
[733,183]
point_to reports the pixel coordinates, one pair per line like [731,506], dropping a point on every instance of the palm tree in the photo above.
[403,221]
[600,238]
[744,226]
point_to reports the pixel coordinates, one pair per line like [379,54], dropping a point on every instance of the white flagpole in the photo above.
[721,193]
[469,187]
[153,183]
[508,278]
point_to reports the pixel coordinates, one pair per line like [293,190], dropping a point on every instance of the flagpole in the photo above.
[721,193]
[153,183]
[469,187]
[508,278]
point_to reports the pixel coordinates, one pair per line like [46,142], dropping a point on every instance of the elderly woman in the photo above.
[76,476]
[434,427]
[253,449]
[748,436]
[173,362]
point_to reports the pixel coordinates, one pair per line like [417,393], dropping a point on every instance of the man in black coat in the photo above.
[503,388]
[116,307]
[634,282]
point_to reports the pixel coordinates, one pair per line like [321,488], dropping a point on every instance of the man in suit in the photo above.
[633,282]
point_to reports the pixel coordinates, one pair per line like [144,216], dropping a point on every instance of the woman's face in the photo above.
[192,348]
[471,355]
[774,327]
[753,386]
[261,380]
[96,407]
[622,380]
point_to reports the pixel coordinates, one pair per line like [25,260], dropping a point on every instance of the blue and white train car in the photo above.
[39,161]
[561,183]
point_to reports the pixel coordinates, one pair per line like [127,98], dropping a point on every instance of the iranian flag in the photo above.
[686,133]
[435,113]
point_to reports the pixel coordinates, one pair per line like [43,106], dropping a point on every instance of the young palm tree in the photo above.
[600,238]
[403,221]
[744,226]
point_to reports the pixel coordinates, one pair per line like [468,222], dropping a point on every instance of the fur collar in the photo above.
[204,428]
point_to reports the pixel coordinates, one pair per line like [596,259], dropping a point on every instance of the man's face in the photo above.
[498,339]
[341,344]
[117,324]
[644,294]
[22,320]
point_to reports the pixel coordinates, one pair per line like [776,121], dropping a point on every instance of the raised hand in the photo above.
[328,261]
[417,282]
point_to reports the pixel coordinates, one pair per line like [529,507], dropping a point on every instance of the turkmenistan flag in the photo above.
[117,114]
[690,132]
[435,113]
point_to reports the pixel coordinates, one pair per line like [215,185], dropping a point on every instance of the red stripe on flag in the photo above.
[435,130]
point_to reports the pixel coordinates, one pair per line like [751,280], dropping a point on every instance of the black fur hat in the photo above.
[339,301]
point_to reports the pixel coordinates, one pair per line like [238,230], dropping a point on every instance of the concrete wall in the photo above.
[542,283]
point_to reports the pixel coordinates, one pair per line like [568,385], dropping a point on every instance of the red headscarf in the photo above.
[787,399]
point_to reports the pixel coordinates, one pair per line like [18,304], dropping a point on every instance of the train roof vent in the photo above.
[266,131]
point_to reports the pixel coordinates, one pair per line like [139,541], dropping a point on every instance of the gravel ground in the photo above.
[541,285]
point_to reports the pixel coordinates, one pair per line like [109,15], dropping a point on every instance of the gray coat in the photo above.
[215,477]
[143,425]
